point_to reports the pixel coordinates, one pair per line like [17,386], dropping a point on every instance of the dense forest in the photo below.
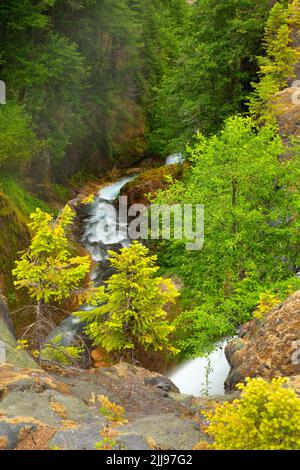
[81,80]
[98,88]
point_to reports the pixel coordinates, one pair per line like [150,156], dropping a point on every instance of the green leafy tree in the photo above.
[50,270]
[251,200]
[131,312]
[86,71]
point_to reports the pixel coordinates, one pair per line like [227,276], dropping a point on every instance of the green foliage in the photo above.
[114,415]
[251,200]
[64,355]
[131,311]
[266,417]
[86,73]
[277,66]
[61,192]
[49,270]
[18,142]
[267,301]
[20,197]
[210,79]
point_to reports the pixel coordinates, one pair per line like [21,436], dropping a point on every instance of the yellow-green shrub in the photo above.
[267,301]
[265,417]
[114,413]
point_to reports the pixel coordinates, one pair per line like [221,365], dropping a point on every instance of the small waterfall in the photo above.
[101,226]
[194,377]
[203,375]
[174,159]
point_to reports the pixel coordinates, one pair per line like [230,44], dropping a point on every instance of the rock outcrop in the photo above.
[8,343]
[287,110]
[267,348]
[40,410]
[150,182]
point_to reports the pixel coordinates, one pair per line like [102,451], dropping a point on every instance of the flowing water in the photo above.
[175,158]
[194,377]
[101,225]
[203,375]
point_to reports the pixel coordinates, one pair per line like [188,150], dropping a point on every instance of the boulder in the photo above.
[62,411]
[165,432]
[161,382]
[150,182]
[82,437]
[267,348]
[11,433]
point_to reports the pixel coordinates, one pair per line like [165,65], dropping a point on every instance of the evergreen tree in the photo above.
[131,313]
[277,66]
[211,78]
[49,269]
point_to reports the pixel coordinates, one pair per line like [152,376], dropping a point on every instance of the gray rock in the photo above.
[10,434]
[132,442]
[26,384]
[43,407]
[17,358]
[84,437]
[35,405]
[84,387]
[162,382]
[76,409]
[168,431]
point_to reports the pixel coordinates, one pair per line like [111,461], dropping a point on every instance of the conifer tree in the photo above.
[131,312]
[50,270]
[278,64]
